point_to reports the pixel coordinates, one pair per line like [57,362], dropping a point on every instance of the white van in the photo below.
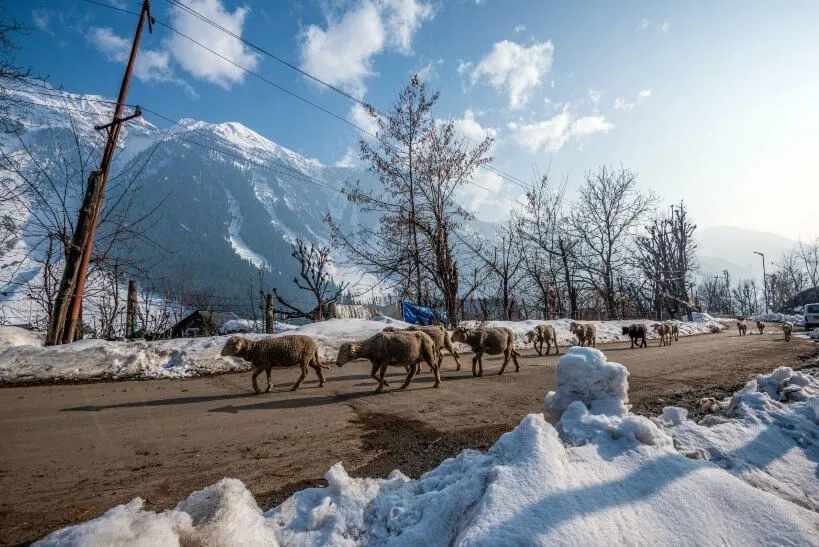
[811,312]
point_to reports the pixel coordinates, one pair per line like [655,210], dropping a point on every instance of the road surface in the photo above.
[70,452]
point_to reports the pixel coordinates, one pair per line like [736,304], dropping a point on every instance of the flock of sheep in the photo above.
[411,347]
[742,327]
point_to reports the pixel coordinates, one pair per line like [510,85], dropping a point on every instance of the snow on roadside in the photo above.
[766,434]
[607,331]
[797,320]
[23,360]
[599,475]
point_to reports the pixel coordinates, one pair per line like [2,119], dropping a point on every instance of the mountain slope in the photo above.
[727,247]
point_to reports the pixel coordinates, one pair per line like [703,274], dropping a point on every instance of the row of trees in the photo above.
[607,253]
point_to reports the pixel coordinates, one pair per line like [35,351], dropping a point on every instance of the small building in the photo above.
[198,323]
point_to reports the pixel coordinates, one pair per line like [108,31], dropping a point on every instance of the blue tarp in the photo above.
[418,315]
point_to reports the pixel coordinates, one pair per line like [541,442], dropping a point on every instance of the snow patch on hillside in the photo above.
[235,235]
[598,476]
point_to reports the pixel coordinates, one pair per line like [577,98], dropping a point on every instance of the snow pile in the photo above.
[248,325]
[814,334]
[765,434]
[607,331]
[21,361]
[797,320]
[601,476]
[16,336]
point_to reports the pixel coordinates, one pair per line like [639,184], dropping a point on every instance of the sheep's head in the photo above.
[390,329]
[531,335]
[234,346]
[626,330]
[460,334]
[346,353]
[573,327]
[657,327]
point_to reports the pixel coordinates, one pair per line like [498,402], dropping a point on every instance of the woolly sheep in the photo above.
[664,330]
[392,348]
[439,336]
[761,326]
[586,333]
[491,340]
[283,351]
[636,332]
[787,327]
[540,334]
[742,327]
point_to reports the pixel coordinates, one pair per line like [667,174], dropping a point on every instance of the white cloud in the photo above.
[482,197]
[551,134]
[348,160]
[430,70]
[151,65]
[623,104]
[595,97]
[202,64]
[664,27]
[515,69]
[470,128]
[520,28]
[644,24]
[361,118]
[42,20]
[341,54]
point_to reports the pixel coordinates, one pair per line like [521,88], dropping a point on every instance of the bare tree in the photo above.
[747,297]
[610,206]
[314,278]
[549,247]
[665,255]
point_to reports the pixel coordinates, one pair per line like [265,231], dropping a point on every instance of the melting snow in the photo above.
[599,476]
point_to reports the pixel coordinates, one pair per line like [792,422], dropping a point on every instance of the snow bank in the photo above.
[814,334]
[24,360]
[248,325]
[15,336]
[607,331]
[766,434]
[600,476]
[797,320]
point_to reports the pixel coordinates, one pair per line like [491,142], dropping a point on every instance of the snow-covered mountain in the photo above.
[227,199]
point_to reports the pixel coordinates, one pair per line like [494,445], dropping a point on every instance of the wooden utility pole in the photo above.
[131,310]
[74,277]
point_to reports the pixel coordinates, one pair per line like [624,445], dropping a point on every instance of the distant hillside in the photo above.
[728,248]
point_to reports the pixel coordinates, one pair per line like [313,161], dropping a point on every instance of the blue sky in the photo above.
[711,102]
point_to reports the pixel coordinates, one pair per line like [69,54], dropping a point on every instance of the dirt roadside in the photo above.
[70,452]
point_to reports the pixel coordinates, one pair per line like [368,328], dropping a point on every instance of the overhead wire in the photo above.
[494,170]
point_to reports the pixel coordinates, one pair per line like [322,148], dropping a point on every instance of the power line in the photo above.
[314,104]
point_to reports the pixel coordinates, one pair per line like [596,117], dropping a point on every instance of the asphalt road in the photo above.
[70,452]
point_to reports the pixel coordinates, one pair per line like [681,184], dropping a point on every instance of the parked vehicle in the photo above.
[811,312]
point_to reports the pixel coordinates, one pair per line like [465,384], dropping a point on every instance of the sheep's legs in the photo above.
[476,360]
[456,356]
[317,368]
[412,370]
[267,373]
[437,373]
[377,366]
[381,381]
[303,375]
[515,359]
[253,378]
[505,361]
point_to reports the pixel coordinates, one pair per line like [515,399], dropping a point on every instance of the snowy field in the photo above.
[797,320]
[584,472]
[24,360]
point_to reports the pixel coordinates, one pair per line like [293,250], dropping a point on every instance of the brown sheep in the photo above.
[494,341]
[742,327]
[787,327]
[540,334]
[283,351]
[441,338]
[392,348]
[761,326]
[675,331]
[636,332]
[586,333]
[664,330]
